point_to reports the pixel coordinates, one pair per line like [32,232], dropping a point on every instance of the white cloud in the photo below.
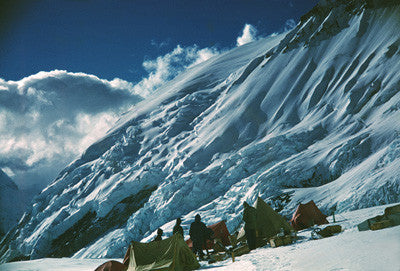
[49,118]
[205,54]
[249,34]
[166,67]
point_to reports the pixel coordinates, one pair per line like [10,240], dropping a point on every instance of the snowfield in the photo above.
[310,114]
[349,250]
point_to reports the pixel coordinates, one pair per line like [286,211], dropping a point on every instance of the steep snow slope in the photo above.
[310,114]
[11,203]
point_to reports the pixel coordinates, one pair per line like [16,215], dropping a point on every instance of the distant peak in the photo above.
[5,180]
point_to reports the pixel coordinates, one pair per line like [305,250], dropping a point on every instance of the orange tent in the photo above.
[111,266]
[307,215]
[220,232]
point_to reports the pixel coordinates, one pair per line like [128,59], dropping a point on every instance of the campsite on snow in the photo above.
[280,154]
[351,249]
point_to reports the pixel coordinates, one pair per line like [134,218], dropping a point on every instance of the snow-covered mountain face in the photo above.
[11,203]
[309,114]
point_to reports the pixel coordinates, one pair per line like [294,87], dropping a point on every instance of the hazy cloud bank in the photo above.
[48,118]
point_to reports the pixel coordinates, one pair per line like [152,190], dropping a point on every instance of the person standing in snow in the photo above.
[178,228]
[250,218]
[198,234]
[159,234]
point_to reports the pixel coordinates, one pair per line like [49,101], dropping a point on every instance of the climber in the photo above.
[159,234]
[198,234]
[178,228]
[249,218]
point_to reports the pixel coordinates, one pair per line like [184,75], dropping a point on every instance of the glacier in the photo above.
[313,113]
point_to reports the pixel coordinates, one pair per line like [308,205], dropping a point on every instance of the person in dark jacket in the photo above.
[250,219]
[198,234]
[178,228]
[159,234]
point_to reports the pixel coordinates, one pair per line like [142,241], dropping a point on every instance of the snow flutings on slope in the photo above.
[308,114]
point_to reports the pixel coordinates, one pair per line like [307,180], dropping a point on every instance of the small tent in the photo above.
[111,266]
[269,222]
[168,254]
[307,215]
[220,232]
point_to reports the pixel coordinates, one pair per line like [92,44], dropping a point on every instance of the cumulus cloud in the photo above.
[249,34]
[166,67]
[49,118]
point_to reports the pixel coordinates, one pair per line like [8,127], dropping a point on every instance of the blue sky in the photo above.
[69,69]
[112,38]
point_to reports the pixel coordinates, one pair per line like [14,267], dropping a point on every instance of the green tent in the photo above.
[169,254]
[269,222]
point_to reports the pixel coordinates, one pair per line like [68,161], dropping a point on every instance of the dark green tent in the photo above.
[169,254]
[269,222]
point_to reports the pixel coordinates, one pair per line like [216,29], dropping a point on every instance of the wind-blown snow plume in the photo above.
[166,67]
[249,34]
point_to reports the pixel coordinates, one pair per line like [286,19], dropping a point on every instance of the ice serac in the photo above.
[308,114]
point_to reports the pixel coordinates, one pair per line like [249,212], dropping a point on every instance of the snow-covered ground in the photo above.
[350,250]
[56,264]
